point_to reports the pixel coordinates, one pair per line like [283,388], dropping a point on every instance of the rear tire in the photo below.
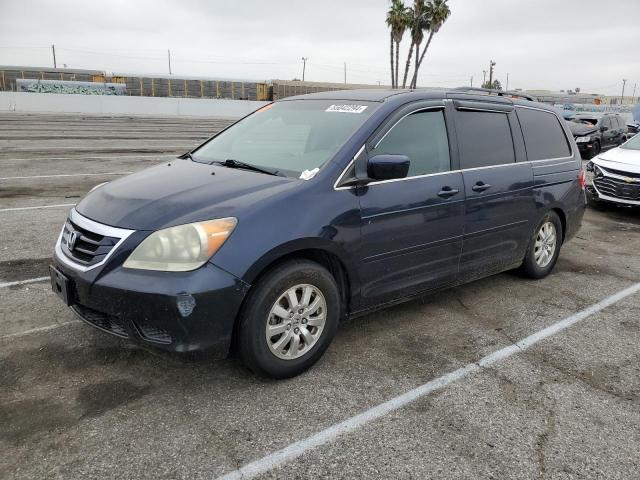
[544,247]
[279,334]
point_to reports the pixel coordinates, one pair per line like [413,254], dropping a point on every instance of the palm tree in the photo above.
[416,21]
[437,12]
[397,21]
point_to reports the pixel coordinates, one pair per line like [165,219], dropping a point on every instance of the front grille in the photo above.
[89,248]
[615,187]
[109,323]
[620,172]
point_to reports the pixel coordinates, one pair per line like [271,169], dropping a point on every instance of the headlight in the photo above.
[583,139]
[181,248]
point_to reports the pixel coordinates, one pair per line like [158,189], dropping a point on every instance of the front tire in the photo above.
[289,319]
[544,247]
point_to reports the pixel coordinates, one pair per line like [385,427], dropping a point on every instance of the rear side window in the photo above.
[543,135]
[421,136]
[484,139]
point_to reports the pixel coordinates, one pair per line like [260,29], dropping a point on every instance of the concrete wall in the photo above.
[115,105]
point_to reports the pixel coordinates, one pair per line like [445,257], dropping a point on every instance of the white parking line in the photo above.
[66,175]
[17,209]
[23,282]
[38,330]
[329,434]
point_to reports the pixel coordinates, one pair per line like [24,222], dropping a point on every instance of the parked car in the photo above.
[633,128]
[315,209]
[596,131]
[614,176]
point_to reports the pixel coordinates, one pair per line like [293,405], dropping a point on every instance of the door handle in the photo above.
[447,192]
[480,187]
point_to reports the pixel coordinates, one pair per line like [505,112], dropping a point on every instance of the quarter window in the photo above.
[484,138]
[421,136]
[543,135]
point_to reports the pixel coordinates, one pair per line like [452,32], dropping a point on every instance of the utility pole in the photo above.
[634,92]
[53,49]
[304,66]
[471,81]
[484,77]
[345,73]
[624,82]
[169,57]
[491,65]
[507,86]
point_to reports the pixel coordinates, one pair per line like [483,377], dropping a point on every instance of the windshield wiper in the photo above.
[231,163]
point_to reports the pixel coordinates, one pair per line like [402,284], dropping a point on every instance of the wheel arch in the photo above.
[325,254]
[563,220]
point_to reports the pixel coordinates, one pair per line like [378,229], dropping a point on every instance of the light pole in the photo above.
[491,65]
[484,77]
[304,66]
[624,82]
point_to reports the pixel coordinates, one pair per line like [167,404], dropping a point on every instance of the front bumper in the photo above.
[586,148]
[143,305]
[595,195]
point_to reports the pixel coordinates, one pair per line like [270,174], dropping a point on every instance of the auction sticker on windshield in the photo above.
[347,108]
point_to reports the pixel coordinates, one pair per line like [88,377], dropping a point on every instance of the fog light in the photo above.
[185,303]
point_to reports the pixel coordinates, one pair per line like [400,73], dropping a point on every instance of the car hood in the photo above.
[178,192]
[580,129]
[623,159]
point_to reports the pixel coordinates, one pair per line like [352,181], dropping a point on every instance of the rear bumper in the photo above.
[143,306]
[575,216]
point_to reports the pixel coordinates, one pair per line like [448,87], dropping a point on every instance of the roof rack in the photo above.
[500,93]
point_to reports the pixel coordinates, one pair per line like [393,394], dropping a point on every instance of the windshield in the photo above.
[289,137]
[633,144]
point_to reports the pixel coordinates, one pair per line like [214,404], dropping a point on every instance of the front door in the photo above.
[412,227]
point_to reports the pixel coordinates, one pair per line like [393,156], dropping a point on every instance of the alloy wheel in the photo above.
[545,245]
[296,321]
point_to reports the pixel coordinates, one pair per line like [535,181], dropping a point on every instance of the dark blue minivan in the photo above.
[318,208]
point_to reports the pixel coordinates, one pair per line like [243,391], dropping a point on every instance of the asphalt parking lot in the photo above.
[77,403]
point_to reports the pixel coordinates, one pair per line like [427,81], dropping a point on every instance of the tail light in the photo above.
[582,179]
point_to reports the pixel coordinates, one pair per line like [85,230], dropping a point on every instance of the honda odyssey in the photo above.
[319,208]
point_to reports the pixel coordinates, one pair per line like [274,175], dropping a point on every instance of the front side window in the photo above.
[543,135]
[485,139]
[290,136]
[421,136]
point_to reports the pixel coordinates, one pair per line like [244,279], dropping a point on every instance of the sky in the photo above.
[542,44]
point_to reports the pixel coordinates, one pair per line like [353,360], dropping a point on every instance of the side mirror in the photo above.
[388,167]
